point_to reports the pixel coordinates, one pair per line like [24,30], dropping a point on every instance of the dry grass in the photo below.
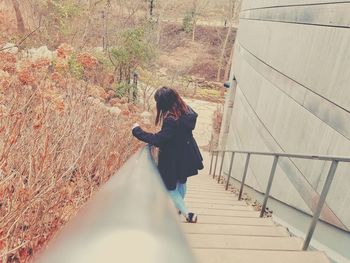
[56,148]
[216,121]
[180,56]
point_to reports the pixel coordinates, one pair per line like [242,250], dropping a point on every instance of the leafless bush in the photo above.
[217,119]
[56,148]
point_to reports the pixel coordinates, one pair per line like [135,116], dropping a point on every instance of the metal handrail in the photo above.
[293,155]
[334,164]
[130,219]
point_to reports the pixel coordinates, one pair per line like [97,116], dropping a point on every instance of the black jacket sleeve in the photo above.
[165,134]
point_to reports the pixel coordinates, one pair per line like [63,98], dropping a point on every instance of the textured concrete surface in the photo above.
[292,96]
[291,65]
[254,256]
[231,231]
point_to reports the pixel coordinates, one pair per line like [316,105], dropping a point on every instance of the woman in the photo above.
[179,156]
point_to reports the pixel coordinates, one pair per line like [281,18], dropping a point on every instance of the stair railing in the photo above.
[130,219]
[335,160]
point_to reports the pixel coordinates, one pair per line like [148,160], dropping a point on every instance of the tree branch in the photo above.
[18,45]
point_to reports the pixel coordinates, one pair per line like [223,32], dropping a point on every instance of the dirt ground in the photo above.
[180,55]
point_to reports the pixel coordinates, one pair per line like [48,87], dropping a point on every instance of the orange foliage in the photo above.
[61,66]
[26,76]
[87,60]
[4,84]
[56,148]
[42,63]
[8,62]
[56,76]
[64,51]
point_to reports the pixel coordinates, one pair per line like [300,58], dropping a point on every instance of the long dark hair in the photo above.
[169,102]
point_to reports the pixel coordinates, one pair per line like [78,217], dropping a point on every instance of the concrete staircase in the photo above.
[231,231]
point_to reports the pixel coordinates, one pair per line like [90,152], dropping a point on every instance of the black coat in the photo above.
[179,155]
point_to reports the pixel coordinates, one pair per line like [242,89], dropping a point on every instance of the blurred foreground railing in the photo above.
[129,220]
[335,160]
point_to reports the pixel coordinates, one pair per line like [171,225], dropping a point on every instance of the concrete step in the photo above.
[203,180]
[229,230]
[207,180]
[269,231]
[201,195]
[221,192]
[255,256]
[213,241]
[200,176]
[232,213]
[213,192]
[210,196]
[208,188]
[205,183]
[209,183]
[228,220]
[217,206]
[215,201]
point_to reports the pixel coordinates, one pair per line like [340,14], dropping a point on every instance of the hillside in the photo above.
[74,77]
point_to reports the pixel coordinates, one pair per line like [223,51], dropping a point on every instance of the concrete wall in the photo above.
[292,65]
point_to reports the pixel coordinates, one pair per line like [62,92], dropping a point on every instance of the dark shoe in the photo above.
[191,217]
[179,212]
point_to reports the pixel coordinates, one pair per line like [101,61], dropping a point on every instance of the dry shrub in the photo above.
[217,119]
[56,148]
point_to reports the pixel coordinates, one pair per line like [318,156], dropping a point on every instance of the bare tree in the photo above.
[90,15]
[164,6]
[197,8]
[233,14]
[19,17]
[151,7]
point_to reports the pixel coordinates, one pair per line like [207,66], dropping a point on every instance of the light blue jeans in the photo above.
[178,195]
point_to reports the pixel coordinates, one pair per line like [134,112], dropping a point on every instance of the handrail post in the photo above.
[222,163]
[244,176]
[269,184]
[211,162]
[216,162]
[320,203]
[229,171]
